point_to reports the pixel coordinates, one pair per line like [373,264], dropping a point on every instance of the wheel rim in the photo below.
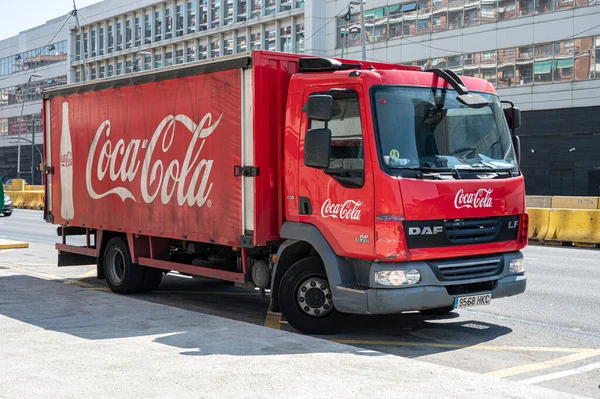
[313,296]
[116,265]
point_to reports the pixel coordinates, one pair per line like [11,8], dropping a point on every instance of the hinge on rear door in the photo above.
[246,171]
[49,170]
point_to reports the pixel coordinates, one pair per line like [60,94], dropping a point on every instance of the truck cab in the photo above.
[407,185]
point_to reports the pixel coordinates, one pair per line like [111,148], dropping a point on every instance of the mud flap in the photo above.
[71,259]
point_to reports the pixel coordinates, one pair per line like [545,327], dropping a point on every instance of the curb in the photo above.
[9,244]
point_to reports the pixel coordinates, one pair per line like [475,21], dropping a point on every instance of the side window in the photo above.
[347,145]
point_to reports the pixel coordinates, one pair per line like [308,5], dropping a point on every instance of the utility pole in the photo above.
[363,33]
[75,13]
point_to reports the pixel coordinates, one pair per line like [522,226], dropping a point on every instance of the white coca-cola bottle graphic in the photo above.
[66,167]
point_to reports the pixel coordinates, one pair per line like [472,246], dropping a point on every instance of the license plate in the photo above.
[474,300]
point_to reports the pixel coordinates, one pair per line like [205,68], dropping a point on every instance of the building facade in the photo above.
[544,55]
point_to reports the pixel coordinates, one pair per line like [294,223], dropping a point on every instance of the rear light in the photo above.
[524,230]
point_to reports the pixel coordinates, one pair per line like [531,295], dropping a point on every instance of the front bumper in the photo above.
[7,208]
[431,292]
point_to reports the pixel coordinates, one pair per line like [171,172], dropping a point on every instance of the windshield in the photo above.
[427,128]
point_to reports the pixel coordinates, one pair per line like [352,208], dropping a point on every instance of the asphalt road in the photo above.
[548,337]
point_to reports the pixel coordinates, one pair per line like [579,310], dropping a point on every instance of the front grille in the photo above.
[468,268]
[471,231]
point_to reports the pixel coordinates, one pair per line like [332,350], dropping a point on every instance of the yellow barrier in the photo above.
[538,223]
[574,225]
[574,203]
[27,199]
[538,201]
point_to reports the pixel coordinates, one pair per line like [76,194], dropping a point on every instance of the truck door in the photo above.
[339,200]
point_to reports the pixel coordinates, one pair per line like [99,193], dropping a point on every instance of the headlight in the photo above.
[7,200]
[517,266]
[398,277]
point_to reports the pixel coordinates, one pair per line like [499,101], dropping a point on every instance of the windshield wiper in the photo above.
[435,172]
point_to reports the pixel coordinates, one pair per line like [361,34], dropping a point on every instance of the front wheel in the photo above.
[306,301]
[7,214]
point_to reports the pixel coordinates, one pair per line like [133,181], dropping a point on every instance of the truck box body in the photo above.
[155,155]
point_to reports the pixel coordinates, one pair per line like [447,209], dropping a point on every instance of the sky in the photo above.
[20,15]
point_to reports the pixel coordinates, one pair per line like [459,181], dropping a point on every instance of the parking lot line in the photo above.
[462,346]
[562,374]
[559,361]
[273,320]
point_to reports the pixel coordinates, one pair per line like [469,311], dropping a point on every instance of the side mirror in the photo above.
[317,148]
[513,118]
[319,107]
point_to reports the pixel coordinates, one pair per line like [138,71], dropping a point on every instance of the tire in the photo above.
[152,279]
[122,276]
[301,275]
[7,214]
[438,311]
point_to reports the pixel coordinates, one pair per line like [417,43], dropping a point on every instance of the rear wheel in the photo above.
[122,276]
[152,279]
[7,214]
[305,298]
[438,311]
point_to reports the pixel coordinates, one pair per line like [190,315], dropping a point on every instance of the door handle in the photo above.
[304,206]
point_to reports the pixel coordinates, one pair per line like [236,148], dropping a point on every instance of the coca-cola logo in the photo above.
[482,198]
[187,179]
[349,210]
[66,159]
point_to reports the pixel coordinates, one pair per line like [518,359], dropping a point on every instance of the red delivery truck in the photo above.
[337,186]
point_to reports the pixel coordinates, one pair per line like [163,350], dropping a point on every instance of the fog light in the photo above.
[517,266]
[398,277]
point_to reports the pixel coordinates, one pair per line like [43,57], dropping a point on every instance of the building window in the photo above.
[169,23]
[544,6]
[286,5]
[227,12]
[544,65]
[489,9]
[169,56]
[85,47]
[488,66]
[242,10]
[525,8]
[202,51]
[563,61]
[157,26]
[507,9]
[179,20]
[423,17]
[299,38]
[119,68]
[228,46]
[78,76]
[440,16]
[255,41]
[77,48]
[101,41]
[455,14]
[269,7]
[299,3]
[348,32]
[506,68]
[147,62]
[93,42]
[215,47]
[101,72]
[409,26]
[240,46]
[128,34]
[203,15]
[111,39]
[256,10]
[215,14]
[471,65]
[563,4]
[147,28]
[524,66]
[191,52]
[93,73]
[119,35]
[179,56]
[157,60]
[191,17]
[472,12]
[285,39]
[270,39]
[111,69]
[138,32]
[128,66]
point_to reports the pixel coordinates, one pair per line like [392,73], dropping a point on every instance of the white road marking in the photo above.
[562,374]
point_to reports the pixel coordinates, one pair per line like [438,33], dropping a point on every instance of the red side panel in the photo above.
[271,77]
[155,159]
